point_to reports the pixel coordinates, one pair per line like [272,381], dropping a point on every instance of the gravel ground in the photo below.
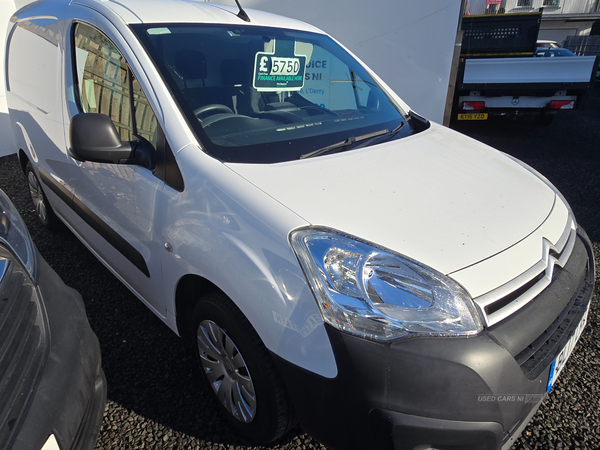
[155,399]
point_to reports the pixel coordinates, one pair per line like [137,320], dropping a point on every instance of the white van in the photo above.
[337,259]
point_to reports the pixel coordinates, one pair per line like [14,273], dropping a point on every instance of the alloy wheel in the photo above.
[37,197]
[226,371]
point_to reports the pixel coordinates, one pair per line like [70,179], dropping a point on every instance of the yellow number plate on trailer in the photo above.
[473,116]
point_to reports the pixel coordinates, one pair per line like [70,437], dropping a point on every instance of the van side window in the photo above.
[145,120]
[105,82]
[102,76]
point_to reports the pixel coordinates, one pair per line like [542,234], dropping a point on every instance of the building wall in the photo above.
[551,7]
[557,20]
[559,30]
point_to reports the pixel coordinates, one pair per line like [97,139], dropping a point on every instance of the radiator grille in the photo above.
[504,301]
[540,353]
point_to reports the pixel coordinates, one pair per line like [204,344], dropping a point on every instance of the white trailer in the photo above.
[502,73]
[523,86]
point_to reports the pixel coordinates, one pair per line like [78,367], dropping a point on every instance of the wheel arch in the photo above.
[23,159]
[187,293]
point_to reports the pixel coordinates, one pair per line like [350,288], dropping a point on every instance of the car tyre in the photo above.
[43,210]
[240,371]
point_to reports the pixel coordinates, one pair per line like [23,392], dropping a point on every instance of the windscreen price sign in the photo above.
[279,73]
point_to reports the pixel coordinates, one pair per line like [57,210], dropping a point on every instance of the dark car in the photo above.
[552,52]
[52,387]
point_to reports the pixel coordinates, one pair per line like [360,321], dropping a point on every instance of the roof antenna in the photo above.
[242,14]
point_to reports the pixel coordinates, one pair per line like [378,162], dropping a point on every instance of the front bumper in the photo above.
[70,394]
[445,393]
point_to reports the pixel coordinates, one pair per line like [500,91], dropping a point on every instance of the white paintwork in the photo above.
[125,196]
[7,143]
[507,265]
[231,233]
[34,90]
[51,444]
[409,43]
[529,70]
[176,11]
[437,196]
[291,328]
[543,43]
[36,78]
[69,218]
[274,296]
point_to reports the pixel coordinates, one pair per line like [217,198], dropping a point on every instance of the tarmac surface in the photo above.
[155,397]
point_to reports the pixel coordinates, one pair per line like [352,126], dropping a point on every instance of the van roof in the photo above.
[188,11]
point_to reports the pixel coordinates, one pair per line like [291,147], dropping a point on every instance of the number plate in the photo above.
[560,361]
[473,116]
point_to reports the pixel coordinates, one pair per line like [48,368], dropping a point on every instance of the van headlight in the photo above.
[375,293]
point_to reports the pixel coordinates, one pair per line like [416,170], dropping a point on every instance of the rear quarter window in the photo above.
[33,63]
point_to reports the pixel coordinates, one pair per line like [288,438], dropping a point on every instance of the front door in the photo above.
[115,207]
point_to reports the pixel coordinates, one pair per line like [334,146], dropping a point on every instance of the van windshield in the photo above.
[264,95]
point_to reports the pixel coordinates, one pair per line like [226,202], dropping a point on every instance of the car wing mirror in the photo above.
[95,138]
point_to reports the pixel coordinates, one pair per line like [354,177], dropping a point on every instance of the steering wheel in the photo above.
[209,110]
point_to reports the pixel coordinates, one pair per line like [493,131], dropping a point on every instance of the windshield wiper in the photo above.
[343,144]
[395,131]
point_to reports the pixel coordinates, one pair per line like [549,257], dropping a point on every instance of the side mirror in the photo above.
[95,138]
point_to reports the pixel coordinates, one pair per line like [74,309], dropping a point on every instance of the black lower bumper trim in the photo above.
[432,392]
[408,432]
